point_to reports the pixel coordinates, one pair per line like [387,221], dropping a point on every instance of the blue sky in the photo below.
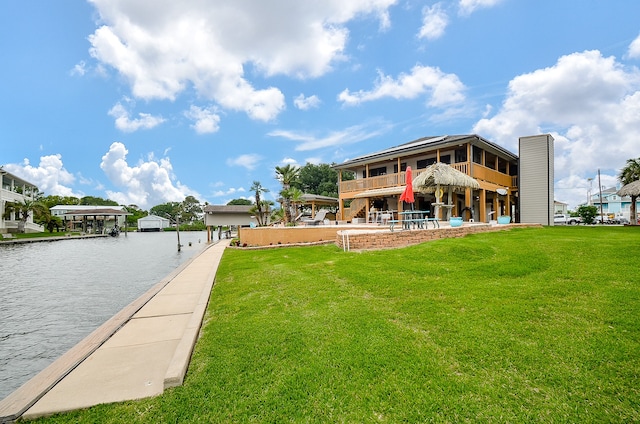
[146,102]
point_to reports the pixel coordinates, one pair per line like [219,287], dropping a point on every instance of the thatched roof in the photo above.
[440,175]
[631,189]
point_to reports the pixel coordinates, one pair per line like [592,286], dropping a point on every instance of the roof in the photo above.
[425,144]
[20,181]
[227,208]
[316,198]
[97,212]
[85,207]
[381,192]
[152,218]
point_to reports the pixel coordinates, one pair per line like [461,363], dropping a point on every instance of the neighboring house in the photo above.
[560,208]
[612,204]
[227,215]
[90,218]
[380,178]
[14,189]
[153,223]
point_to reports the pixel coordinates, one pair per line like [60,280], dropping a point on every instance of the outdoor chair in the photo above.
[319,218]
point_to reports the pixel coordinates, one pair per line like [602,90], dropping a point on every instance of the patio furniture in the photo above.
[319,218]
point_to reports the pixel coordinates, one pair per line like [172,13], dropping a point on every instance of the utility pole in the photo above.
[600,188]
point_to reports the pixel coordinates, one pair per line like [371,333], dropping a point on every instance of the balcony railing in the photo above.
[392,180]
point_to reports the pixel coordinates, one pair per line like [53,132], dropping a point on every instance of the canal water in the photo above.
[54,294]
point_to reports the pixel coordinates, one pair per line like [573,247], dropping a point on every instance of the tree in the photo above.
[319,179]
[259,209]
[165,210]
[97,201]
[587,213]
[191,210]
[262,211]
[294,195]
[629,174]
[23,210]
[136,214]
[240,202]
[287,175]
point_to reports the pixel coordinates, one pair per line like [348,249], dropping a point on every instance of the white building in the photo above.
[153,223]
[14,189]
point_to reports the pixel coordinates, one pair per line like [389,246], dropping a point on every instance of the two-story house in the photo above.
[613,205]
[380,178]
[14,189]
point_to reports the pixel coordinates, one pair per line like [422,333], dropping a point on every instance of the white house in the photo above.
[153,223]
[14,189]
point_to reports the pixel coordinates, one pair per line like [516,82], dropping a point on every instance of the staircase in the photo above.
[357,209]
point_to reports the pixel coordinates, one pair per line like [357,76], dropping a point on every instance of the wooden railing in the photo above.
[480,172]
[354,208]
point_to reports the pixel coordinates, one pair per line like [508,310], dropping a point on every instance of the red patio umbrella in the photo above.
[407,194]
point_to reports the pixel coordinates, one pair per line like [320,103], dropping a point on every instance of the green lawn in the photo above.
[529,325]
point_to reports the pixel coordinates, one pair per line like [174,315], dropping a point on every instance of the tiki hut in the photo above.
[633,190]
[440,176]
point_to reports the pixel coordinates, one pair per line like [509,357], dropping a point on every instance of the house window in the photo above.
[374,172]
[489,160]
[421,164]
[445,159]
[461,155]
[403,167]
[502,165]
[477,155]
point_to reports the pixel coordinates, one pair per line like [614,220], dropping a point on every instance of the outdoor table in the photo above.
[417,218]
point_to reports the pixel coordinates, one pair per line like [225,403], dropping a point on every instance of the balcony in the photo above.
[398,179]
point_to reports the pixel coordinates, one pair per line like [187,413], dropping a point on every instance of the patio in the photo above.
[360,236]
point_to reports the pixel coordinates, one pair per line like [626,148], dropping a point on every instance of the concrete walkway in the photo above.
[138,353]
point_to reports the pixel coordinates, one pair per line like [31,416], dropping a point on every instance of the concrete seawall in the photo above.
[139,352]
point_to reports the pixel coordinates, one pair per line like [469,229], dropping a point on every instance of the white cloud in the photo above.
[79,69]
[306,103]
[314,160]
[589,103]
[469,6]
[229,192]
[634,49]
[434,22]
[207,120]
[442,89]
[126,124]
[147,184]
[349,135]
[249,161]
[289,161]
[50,176]
[163,48]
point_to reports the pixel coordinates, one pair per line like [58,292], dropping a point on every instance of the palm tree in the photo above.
[629,174]
[261,212]
[24,209]
[287,175]
[294,195]
[259,206]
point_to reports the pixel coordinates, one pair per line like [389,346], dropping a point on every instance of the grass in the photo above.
[530,325]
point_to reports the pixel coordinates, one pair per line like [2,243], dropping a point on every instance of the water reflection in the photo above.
[53,294]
